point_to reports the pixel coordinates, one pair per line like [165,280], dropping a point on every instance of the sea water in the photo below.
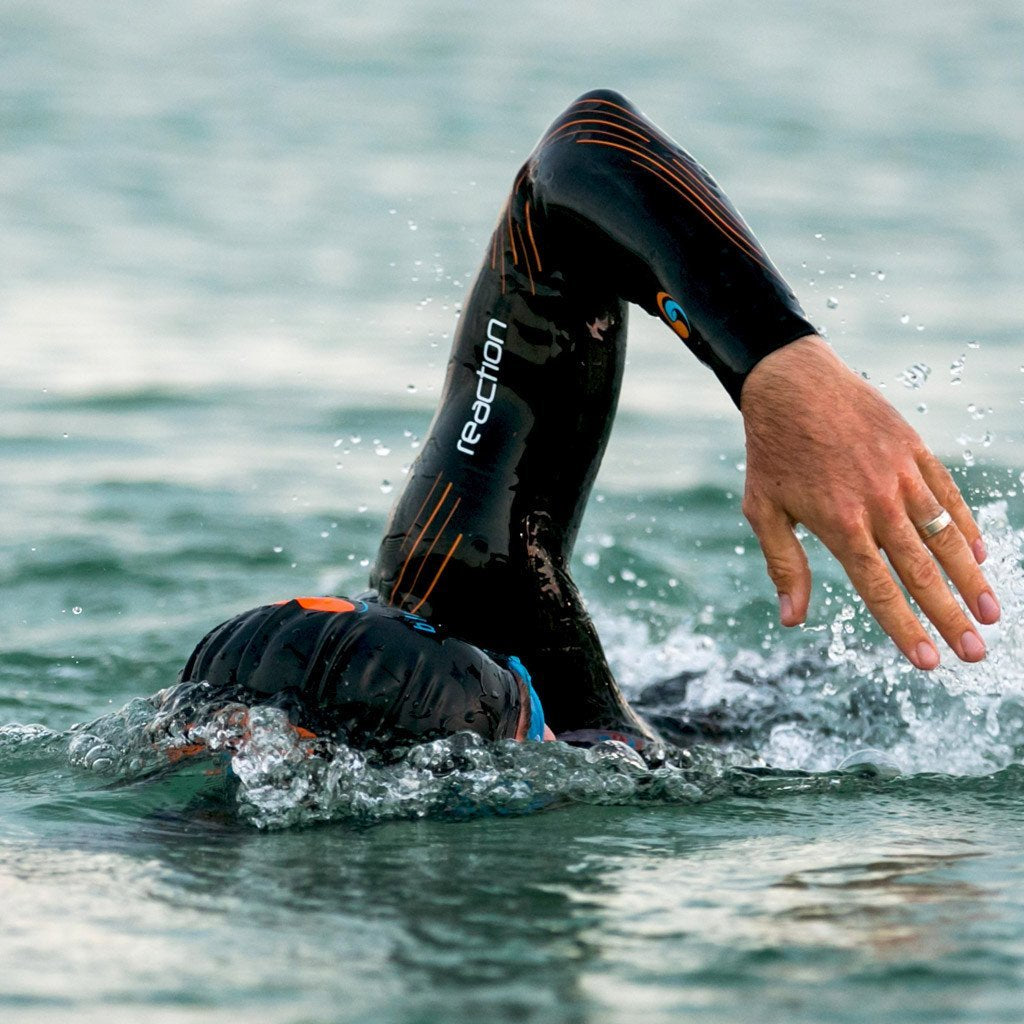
[235,240]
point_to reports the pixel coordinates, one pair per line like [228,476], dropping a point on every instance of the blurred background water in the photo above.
[235,237]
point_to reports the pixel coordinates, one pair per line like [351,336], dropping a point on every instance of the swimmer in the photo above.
[473,620]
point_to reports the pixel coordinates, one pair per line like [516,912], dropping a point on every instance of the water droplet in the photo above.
[382,449]
[278,549]
[832,302]
[921,407]
[968,457]
[413,226]
[880,274]
[819,235]
[918,327]
[411,388]
[77,610]
[914,376]
[905,319]
[386,487]
[740,549]
[974,344]
[355,439]
[324,534]
[591,558]
[956,370]
[361,509]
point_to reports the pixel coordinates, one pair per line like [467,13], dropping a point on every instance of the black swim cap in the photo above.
[373,675]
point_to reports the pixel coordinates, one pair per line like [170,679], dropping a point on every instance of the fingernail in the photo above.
[980,554]
[927,655]
[785,608]
[988,608]
[973,648]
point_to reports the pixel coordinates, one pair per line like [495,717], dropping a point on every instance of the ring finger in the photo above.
[951,549]
[915,565]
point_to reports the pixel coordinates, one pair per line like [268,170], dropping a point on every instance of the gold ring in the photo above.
[936,525]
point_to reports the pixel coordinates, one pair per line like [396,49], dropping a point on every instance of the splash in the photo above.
[270,775]
[815,712]
[845,715]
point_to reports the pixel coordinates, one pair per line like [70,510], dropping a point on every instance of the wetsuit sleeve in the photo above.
[608,183]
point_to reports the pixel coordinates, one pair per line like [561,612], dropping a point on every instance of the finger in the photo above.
[950,547]
[785,560]
[920,574]
[884,599]
[948,495]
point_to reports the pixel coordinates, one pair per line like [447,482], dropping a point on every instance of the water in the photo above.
[235,240]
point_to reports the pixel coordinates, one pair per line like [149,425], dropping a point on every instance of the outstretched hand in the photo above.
[825,449]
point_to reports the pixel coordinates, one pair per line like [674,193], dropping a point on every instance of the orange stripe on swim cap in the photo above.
[323,604]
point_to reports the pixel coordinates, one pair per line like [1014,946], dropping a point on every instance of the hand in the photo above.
[825,449]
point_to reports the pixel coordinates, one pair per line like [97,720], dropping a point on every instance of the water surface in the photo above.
[235,240]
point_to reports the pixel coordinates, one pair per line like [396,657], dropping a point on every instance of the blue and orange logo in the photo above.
[674,315]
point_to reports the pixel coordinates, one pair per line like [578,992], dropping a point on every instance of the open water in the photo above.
[235,236]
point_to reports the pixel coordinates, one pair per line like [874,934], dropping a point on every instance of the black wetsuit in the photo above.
[606,211]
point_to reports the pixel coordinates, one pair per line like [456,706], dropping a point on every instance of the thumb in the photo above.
[785,560]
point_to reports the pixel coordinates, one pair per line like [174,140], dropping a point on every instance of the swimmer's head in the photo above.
[376,674]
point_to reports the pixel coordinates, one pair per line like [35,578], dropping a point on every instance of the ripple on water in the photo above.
[748,725]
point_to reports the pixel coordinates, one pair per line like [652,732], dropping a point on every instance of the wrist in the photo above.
[808,360]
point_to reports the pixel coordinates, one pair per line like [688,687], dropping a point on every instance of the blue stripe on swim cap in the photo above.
[536,708]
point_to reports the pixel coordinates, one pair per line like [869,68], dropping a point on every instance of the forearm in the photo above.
[613,191]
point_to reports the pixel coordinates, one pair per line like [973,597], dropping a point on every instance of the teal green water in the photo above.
[235,240]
